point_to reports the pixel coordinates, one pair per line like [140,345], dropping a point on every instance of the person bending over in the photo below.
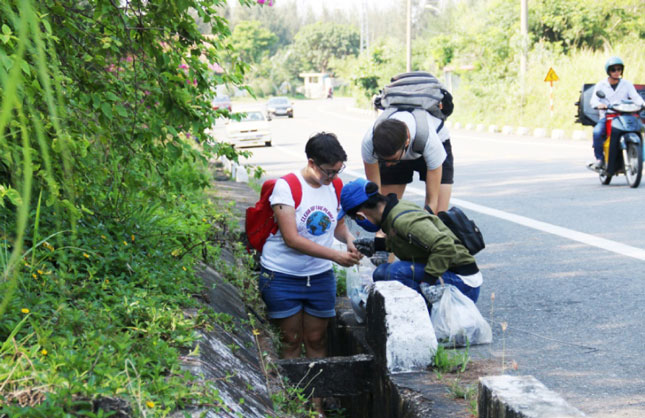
[427,249]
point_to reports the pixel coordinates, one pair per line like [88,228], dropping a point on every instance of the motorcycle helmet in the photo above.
[613,61]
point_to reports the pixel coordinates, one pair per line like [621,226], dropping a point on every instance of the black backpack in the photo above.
[416,92]
[464,228]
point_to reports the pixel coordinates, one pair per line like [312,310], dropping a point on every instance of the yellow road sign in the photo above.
[551,76]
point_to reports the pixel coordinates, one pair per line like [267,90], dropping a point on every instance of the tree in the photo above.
[317,43]
[253,41]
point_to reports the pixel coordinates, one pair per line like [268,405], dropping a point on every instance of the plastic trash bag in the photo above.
[457,321]
[359,282]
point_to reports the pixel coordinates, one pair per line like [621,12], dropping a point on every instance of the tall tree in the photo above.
[317,43]
[253,41]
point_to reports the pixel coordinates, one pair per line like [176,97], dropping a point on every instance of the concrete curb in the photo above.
[575,134]
[520,397]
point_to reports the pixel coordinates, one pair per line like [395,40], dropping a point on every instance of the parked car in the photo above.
[222,102]
[253,129]
[279,106]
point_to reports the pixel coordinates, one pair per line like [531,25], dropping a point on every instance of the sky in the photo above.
[345,5]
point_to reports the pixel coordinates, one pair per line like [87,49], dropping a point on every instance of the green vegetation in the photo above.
[104,148]
[479,41]
[103,118]
[455,361]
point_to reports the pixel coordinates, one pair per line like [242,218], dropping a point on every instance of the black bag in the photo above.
[587,115]
[464,228]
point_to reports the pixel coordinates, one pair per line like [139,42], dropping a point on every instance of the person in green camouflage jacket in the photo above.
[427,249]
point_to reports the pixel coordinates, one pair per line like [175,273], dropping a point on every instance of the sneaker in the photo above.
[596,165]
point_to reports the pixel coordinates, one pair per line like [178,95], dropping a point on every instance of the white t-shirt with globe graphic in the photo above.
[316,220]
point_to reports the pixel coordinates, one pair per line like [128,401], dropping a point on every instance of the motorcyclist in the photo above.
[615,89]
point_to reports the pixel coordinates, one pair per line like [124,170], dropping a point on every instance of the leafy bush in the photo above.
[104,117]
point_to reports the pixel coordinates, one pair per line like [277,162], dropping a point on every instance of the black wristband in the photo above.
[379,244]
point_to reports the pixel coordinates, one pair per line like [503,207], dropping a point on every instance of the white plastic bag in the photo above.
[457,321]
[358,283]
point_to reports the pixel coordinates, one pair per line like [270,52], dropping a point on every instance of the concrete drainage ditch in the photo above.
[377,369]
[371,371]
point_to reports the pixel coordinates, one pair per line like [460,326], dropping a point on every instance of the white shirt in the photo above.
[433,152]
[316,219]
[472,280]
[624,90]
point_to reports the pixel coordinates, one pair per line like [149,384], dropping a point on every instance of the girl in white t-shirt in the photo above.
[296,279]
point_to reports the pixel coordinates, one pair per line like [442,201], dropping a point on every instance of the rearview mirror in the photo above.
[600,94]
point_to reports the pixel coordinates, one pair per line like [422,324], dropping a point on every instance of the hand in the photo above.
[365,245]
[346,258]
[380,257]
[602,106]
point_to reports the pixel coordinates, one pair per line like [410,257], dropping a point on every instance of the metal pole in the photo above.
[408,37]
[524,34]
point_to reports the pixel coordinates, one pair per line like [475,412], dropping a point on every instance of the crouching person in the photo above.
[426,247]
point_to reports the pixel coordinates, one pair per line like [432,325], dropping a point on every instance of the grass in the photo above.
[453,361]
[500,101]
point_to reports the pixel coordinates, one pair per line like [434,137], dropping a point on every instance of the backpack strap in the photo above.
[422,128]
[403,213]
[296,188]
[422,131]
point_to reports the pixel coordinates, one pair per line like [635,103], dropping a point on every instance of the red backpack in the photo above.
[260,222]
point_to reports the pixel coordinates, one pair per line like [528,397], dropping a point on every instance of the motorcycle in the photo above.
[623,147]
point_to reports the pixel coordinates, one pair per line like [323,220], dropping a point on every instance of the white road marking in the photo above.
[588,239]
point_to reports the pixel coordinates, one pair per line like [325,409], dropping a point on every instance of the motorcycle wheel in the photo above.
[604,177]
[634,164]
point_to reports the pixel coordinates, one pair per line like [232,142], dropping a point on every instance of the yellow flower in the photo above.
[175,252]
[256,332]
[34,276]
[204,219]
[48,246]
[86,255]
[40,272]
[24,310]
[43,352]
[184,268]
[150,404]
[132,238]
[103,236]
[125,243]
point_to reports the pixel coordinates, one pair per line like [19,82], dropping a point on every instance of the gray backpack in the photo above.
[416,92]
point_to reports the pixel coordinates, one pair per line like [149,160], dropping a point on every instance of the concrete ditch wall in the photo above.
[374,369]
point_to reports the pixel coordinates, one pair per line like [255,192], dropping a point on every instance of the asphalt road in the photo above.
[565,256]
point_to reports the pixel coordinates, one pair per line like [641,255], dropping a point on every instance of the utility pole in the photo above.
[524,36]
[365,34]
[408,37]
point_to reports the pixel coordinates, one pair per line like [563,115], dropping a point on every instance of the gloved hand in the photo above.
[380,257]
[365,246]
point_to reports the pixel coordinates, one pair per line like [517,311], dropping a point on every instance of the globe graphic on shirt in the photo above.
[318,223]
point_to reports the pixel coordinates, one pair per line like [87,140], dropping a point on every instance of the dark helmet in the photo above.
[613,61]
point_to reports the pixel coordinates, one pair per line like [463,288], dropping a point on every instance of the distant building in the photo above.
[317,85]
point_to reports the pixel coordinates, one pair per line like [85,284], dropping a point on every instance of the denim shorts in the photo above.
[286,295]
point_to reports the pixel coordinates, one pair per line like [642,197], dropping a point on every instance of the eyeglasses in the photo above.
[331,173]
[615,68]
[394,161]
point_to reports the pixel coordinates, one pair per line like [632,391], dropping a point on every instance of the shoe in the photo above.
[596,165]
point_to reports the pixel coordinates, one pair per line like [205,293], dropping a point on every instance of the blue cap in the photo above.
[353,194]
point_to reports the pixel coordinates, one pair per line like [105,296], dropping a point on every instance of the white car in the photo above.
[251,130]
